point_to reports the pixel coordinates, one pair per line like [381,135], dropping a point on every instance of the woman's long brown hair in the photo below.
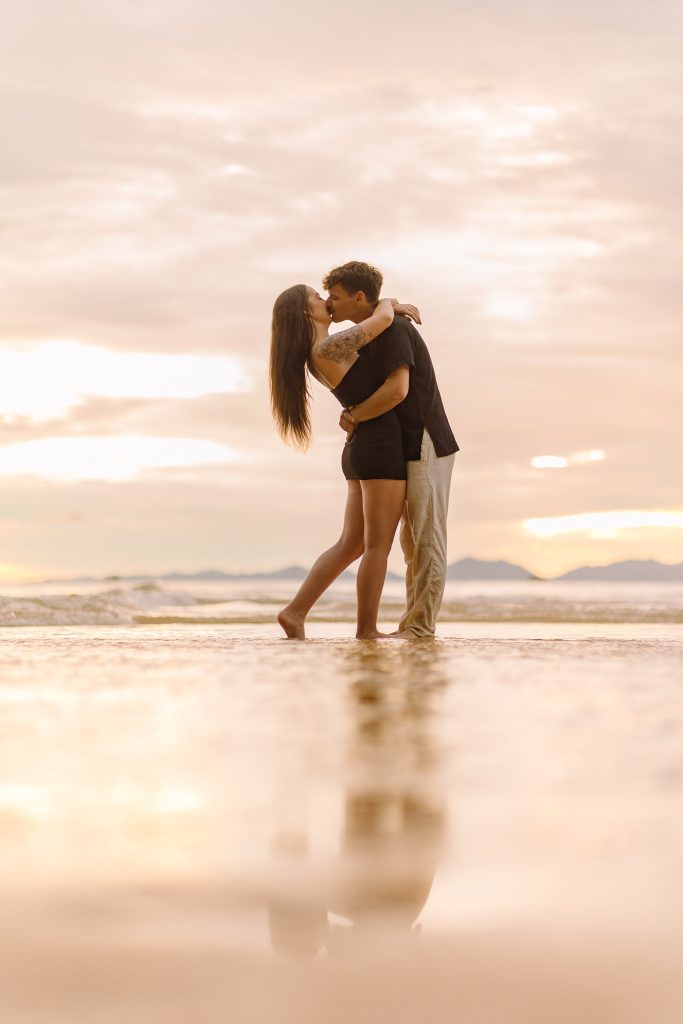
[290,353]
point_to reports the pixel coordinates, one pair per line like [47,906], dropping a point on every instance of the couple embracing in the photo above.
[399,452]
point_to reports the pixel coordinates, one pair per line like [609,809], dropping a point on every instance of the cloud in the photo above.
[175,165]
[605,523]
[108,458]
[47,379]
[561,462]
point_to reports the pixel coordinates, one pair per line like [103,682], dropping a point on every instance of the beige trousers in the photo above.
[423,538]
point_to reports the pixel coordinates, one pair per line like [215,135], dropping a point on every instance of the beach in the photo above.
[220,240]
[203,820]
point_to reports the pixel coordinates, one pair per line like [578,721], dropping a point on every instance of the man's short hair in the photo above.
[356,277]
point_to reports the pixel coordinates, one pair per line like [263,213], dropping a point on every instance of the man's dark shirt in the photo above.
[402,345]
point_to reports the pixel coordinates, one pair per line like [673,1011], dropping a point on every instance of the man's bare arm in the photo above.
[338,347]
[386,397]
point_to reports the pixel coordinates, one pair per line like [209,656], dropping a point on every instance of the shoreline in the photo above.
[326,630]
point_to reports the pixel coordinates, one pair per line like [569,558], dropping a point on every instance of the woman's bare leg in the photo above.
[328,566]
[383,502]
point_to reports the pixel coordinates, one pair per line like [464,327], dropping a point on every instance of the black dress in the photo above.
[375,452]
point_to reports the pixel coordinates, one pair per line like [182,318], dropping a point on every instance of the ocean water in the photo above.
[202,820]
[257,602]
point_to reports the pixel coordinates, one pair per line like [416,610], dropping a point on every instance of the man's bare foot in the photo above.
[402,634]
[292,624]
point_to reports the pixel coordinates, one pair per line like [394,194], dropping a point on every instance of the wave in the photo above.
[108,608]
[151,604]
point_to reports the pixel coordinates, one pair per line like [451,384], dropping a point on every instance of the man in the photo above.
[428,443]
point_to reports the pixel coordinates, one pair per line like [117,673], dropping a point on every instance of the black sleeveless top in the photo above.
[375,452]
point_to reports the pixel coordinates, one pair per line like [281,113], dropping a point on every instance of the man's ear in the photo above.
[360,297]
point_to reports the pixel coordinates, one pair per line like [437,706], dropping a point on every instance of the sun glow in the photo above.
[15,574]
[604,525]
[549,462]
[45,381]
[26,800]
[596,455]
[561,461]
[108,458]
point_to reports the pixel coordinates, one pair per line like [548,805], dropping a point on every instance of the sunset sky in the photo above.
[170,166]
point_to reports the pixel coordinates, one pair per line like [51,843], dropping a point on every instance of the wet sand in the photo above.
[217,824]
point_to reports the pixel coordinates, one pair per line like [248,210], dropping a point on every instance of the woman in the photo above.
[372,460]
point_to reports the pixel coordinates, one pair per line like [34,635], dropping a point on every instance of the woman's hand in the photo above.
[407,310]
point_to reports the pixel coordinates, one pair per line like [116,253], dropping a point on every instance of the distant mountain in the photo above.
[465,569]
[291,572]
[478,569]
[646,571]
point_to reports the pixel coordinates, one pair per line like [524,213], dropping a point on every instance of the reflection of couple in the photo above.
[368,890]
[399,454]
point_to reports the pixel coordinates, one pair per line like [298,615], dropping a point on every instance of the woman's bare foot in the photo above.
[373,634]
[292,624]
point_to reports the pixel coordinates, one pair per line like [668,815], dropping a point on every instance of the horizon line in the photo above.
[111,577]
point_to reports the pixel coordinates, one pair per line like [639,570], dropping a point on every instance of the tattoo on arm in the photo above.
[338,346]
